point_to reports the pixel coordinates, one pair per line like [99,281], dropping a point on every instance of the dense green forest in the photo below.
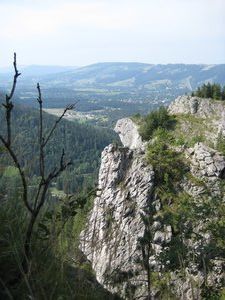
[58,270]
[82,143]
[210,90]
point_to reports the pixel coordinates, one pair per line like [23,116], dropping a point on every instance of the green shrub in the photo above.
[154,120]
[180,141]
[167,164]
[196,139]
[137,118]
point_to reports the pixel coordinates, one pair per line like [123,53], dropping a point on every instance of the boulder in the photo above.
[128,133]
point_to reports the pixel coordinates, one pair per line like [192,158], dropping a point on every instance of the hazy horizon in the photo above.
[79,33]
[10,67]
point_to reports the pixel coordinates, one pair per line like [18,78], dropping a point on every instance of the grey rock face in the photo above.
[211,111]
[161,237]
[203,108]
[207,162]
[128,133]
[111,238]
[208,165]
[221,125]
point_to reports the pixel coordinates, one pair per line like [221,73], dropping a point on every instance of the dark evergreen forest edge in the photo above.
[57,269]
[210,90]
[82,143]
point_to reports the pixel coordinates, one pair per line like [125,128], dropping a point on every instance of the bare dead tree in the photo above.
[35,204]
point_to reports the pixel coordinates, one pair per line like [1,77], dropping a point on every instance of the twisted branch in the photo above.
[40,197]
[8,105]
[68,107]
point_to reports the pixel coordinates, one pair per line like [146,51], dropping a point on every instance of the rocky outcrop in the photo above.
[111,238]
[212,112]
[203,108]
[128,133]
[128,209]
[206,162]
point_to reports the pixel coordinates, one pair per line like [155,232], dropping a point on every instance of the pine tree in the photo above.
[216,91]
[223,93]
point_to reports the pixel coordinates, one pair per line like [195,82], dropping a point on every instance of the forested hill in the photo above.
[139,75]
[124,76]
[82,143]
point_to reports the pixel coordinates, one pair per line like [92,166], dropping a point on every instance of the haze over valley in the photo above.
[108,91]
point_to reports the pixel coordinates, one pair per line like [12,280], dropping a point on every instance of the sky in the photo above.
[82,32]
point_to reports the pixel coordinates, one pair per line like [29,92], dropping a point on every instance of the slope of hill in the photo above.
[139,76]
[114,90]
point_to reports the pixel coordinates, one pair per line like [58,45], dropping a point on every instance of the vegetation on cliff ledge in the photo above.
[168,137]
[210,90]
[157,119]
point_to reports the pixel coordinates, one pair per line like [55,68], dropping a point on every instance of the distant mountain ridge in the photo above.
[37,70]
[113,90]
[139,75]
[127,75]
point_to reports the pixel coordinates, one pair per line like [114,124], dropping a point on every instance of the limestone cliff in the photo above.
[135,249]
[212,111]
[110,240]
[201,107]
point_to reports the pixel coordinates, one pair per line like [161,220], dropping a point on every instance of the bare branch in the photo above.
[61,169]
[43,198]
[63,165]
[62,158]
[39,99]
[8,103]
[7,142]
[41,183]
[43,186]
[41,139]
[68,107]
[16,75]
[22,175]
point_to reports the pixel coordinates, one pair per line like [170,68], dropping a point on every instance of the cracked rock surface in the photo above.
[126,187]
[128,133]
[110,240]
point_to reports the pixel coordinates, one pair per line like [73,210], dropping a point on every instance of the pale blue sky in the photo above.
[81,32]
